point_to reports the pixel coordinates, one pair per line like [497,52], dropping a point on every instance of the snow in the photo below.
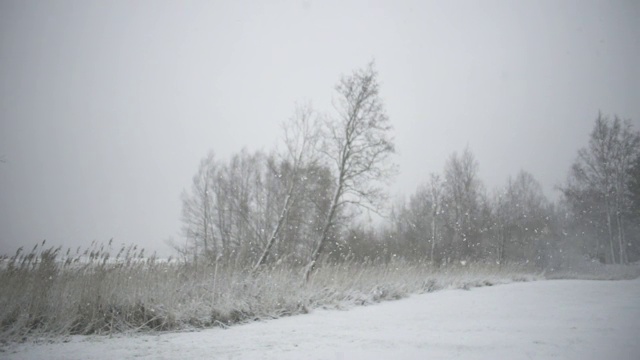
[553,319]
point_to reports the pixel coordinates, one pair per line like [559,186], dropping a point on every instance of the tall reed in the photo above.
[48,292]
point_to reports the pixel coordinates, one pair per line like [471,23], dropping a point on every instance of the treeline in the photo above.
[301,204]
[452,218]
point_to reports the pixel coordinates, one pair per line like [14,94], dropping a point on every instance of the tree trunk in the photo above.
[433,235]
[621,239]
[609,229]
[598,248]
[503,245]
[325,233]
[276,231]
[206,219]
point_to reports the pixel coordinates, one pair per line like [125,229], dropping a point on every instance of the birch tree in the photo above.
[601,176]
[357,147]
[300,138]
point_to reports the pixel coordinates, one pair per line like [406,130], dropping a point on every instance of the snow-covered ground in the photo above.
[555,319]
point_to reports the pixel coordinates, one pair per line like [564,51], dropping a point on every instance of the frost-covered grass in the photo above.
[560,319]
[47,293]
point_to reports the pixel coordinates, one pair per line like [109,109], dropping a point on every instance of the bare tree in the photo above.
[418,223]
[600,179]
[411,221]
[236,211]
[250,204]
[520,217]
[227,206]
[634,214]
[626,151]
[358,145]
[435,191]
[634,188]
[462,192]
[197,206]
[300,138]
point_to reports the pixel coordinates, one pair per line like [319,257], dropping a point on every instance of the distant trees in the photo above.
[598,215]
[600,187]
[453,221]
[521,215]
[419,224]
[462,199]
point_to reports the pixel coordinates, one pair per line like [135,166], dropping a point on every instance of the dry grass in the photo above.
[49,294]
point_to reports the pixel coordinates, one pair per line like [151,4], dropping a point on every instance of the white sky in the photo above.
[107,107]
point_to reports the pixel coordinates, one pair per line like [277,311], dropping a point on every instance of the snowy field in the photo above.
[554,319]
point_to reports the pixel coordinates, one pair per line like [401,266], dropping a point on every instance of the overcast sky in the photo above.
[106,107]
